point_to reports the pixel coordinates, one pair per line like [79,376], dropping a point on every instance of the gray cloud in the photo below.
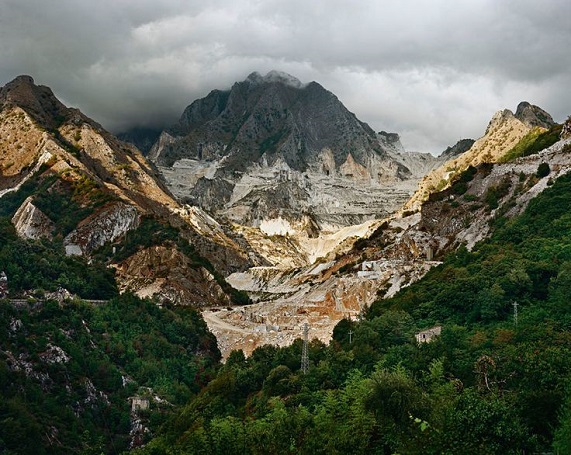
[432,71]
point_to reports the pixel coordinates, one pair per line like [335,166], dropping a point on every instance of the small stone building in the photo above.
[428,335]
[139,404]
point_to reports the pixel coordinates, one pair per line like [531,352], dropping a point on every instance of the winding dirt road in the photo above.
[214,321]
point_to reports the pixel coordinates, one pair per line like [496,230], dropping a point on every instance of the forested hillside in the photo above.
[497,379]
[68,372]
[70,369]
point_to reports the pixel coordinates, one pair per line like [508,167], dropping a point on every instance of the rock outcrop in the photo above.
[31,223]
[463,145]
[107,225]
[3,284]
[533,116]
[566,129]
[167,274]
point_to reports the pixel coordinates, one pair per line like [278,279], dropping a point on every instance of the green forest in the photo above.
[497,380]
[68,371]
[491,383]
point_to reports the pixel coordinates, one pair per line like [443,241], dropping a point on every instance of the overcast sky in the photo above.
[433,71]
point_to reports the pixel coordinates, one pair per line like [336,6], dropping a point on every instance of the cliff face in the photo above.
[106,225]
[275,152]
[31,223]
[165,271]
[70,178]
[268,118]
[463,145]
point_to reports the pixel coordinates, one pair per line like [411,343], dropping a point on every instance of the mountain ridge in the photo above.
[504,131]
[58,165]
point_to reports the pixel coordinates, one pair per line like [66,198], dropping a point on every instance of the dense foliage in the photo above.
[492,382]
[43,266]
[67,371]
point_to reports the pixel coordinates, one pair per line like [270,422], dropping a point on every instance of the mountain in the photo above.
[385,257]
[505,130]
[141,137]
[63,176]
[284,156]
[81,210]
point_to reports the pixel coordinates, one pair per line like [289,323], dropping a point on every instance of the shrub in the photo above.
[543,170]
[496,193]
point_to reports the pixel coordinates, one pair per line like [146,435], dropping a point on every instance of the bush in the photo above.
[495,193]
[543,170]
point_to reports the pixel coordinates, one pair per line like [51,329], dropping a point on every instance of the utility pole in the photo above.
[350,336]
[515,305]
[304,354]
[361,315]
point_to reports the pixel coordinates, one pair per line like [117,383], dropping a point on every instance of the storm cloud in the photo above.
[434,72]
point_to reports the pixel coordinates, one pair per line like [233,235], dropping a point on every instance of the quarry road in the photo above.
[214,321]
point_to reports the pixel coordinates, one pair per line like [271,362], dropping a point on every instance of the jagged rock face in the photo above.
[566,129]
[533,115]
[463,145]
[39,101]
[390,142]
[168,274]
[274,148]
[3,284]
[105,226]
[31,223]
[504,131]
[271,117]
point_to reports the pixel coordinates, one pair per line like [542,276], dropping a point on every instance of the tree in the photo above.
[562,439]
[543,170]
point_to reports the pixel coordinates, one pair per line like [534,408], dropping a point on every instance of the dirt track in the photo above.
[214,321]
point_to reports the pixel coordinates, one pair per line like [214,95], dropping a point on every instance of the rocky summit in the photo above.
[63,177]
[286,157]
[505,130]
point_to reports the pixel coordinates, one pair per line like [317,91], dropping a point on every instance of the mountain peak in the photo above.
[330,170]
[533,116]
[23,79]
[18,89]
[275,76]
[37,100]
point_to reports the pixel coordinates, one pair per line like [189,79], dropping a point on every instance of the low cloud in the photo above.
[433,72]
